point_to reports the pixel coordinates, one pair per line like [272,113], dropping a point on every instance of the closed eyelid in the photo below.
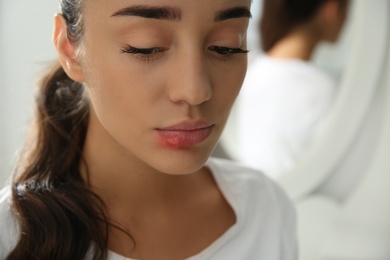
[135,50]
[221,49]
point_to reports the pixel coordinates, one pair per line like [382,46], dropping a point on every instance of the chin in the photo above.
[182,163]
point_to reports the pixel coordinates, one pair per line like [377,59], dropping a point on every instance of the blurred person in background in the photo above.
[286,99]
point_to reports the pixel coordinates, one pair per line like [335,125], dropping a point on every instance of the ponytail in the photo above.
[281,16]
[58,217]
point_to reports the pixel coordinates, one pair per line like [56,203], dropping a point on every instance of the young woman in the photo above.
[287,98]
[118,163]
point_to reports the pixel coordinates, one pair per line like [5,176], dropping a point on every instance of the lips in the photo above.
[185,134]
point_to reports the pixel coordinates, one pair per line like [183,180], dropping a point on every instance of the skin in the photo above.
[164,196]
[325,26]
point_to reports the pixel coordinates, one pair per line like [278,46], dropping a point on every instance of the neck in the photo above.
[297,45]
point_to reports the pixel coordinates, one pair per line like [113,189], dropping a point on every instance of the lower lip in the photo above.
[184,138]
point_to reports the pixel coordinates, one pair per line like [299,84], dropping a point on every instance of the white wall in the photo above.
[25,49]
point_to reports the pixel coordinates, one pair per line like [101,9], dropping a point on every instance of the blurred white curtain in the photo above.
[341,186]
[2,93]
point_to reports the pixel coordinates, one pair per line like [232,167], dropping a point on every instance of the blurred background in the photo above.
[25,50]
[340,186]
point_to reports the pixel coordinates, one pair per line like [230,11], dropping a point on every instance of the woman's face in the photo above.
[162,76]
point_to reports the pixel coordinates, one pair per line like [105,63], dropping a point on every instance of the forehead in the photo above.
[187,8]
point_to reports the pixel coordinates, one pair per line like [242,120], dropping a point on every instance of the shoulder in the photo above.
[236,172]
[291,69]
[249,184]
[313,77]
[266,216]
[259,69]
[277,78]
[8,225]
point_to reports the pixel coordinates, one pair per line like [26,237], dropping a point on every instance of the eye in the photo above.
[144,54]
[227,52]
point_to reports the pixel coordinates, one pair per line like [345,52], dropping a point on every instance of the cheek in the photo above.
[226,87]
[113,80]
[115,95]
[228,81]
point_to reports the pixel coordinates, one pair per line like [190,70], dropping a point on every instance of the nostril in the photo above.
[191,95]
[194,91]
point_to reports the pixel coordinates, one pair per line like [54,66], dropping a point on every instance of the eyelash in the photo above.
[227,52]
[148,54]
[144,54]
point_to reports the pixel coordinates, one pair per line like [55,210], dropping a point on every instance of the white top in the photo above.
[282,109]
[265,227]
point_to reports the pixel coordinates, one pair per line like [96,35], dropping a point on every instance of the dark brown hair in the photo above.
[58,216]
[281,16]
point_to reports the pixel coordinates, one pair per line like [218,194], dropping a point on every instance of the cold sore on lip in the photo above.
[183,137]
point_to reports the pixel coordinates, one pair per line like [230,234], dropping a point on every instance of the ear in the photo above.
[334,10]
[66,50]
[332,19]
[331,10]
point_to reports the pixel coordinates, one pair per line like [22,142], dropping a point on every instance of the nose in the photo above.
[191,80]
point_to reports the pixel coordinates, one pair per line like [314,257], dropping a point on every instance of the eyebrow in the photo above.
[174,14]
[160,13]
[232,13]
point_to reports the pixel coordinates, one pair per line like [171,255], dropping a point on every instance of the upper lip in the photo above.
[187,125]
